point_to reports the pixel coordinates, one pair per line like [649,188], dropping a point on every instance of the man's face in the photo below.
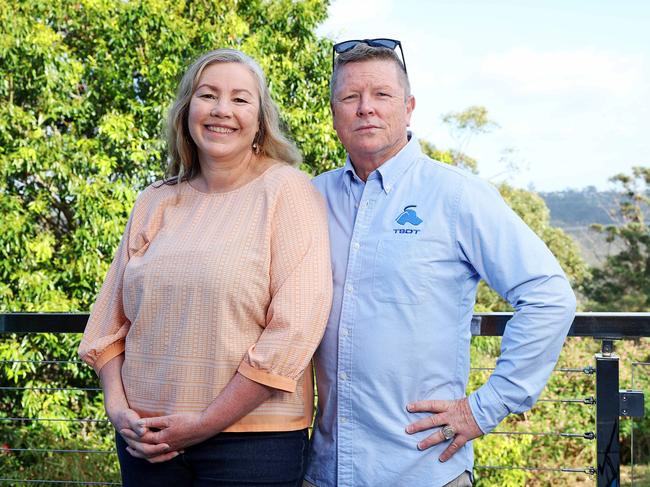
[370,113]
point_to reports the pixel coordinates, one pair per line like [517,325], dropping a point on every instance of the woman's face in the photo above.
[223,115]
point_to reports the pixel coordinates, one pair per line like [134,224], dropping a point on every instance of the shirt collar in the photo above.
[390,171]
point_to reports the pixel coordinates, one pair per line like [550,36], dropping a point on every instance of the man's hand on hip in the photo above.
[455,414]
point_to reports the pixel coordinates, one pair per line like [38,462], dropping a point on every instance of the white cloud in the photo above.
[530,72]
[359,9]
[348,18]
[576,110]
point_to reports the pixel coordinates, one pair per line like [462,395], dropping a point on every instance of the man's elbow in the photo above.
[566,301]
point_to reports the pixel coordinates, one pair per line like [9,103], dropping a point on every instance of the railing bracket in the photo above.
[631,403]
[589,370]
[607,347]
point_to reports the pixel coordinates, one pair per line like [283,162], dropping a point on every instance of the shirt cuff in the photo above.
[109,353]
[266,378]
[487,408]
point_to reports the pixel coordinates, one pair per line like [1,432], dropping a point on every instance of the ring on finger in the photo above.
[448,432]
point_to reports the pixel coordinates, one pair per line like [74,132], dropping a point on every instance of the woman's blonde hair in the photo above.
[270,141]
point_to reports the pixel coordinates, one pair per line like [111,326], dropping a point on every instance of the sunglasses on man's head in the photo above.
[346,46]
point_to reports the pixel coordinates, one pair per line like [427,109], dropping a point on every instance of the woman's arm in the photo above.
[178,431]
[121,415]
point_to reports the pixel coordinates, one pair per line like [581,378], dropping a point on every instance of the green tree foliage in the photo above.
[84,88]
[462,126]
[452,157]
[623,282]
[466,124]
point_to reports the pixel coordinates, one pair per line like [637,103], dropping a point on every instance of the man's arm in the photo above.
[518,265]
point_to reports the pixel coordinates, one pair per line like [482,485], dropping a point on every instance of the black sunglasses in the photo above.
[345,46]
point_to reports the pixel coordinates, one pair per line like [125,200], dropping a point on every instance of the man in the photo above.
[411,238]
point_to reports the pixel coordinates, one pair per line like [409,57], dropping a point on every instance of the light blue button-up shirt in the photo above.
[408,250]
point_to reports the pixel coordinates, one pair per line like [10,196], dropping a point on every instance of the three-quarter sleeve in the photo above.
[300,288]
[107,325]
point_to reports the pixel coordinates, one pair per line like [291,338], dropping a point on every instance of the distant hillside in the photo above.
[580,208]
[575,210]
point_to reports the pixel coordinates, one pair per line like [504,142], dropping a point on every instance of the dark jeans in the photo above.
[276,459]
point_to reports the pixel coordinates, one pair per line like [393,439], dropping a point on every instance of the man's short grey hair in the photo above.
[363,52]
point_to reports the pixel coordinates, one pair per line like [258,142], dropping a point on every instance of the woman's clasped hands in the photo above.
[162,438]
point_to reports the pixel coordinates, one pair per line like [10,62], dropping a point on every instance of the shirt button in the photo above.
[344,332]
[356,245]
[343,376]
[343,420]
[388,187]
[349,288]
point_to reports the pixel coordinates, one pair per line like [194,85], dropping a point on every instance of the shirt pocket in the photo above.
[403,271]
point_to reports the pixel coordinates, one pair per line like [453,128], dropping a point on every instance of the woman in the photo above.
[217,297]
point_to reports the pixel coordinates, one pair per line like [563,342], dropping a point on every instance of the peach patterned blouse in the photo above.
[207,284]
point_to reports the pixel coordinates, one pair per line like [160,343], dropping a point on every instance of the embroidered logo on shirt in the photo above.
[409,216]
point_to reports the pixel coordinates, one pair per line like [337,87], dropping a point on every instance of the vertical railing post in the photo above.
[607,414]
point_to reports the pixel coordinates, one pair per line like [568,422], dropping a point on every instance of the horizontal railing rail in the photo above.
[596,325]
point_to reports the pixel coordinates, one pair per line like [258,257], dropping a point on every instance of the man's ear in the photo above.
[410,106]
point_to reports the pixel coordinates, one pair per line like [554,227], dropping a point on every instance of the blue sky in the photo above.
[567,82]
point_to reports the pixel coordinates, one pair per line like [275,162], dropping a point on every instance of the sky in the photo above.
[567,82]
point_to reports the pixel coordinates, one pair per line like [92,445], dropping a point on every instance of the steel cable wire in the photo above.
[586,470]
[53,450]
[67,482]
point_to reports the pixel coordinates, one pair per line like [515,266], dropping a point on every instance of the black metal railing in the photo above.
[610,403]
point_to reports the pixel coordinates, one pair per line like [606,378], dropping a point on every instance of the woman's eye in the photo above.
[241,100]
[207,96]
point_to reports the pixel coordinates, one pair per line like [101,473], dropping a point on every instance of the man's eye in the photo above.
[381,93]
